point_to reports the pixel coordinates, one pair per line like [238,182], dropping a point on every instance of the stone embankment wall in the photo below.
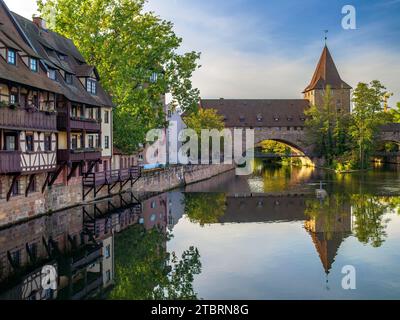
[58,197]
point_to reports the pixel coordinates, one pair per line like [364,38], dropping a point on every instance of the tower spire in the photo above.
[326,36]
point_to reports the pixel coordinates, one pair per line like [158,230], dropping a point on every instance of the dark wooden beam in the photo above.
[46,182]
[73,170]
[14,265]
[91,166]
[14,181]
[31,181]
[32,258]
[56,174]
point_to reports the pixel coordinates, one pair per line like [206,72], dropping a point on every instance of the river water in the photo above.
[265,236]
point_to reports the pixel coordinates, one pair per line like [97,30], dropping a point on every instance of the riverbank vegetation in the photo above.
[347,141]
[278,148]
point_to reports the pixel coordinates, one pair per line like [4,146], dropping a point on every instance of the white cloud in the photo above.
[239,62]
[26,8]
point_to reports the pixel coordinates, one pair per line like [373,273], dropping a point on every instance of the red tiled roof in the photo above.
[326,73]
[259,112]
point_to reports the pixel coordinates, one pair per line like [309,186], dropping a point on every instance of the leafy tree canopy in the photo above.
[144,270]
[129,47]
[204,119]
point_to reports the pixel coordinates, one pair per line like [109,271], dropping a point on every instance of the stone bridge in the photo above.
[295,138]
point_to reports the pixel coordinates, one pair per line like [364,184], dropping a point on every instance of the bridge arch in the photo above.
[293,138]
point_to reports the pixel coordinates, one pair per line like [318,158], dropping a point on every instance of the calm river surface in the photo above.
[266,236]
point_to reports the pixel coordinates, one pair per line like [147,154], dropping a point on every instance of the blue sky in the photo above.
[269,49]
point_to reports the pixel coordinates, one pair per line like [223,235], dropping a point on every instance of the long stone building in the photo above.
[284,119]
[55,117]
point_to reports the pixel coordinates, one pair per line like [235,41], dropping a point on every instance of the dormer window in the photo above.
[11,57]
[302,119]
[289,118]
[33,64]
[241,118]
[276,118]
[91,86]
[68,78]
[259,117]
[51,74]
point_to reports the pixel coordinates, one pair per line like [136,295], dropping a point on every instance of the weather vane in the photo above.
[326,35]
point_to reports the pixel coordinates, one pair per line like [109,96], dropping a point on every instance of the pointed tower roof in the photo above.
[326,73]
[327,248]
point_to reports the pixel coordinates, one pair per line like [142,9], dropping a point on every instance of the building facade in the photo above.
[55,117]
[285,116]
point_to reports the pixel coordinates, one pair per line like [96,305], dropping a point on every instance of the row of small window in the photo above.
[93,141]
[91,84]
[15,255]
[12,59]
[260,118]
[76,111]
[16,187]
[11,142]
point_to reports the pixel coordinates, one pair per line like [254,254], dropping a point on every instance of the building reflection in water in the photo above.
[78,242]
[329,221]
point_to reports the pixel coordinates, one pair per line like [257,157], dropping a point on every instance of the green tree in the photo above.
[205,208]
[367,116]
[326,129]
[395,114]
[204,119]
[369,226]
[128,46]
[144,270]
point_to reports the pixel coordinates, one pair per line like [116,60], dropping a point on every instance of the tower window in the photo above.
[153,77]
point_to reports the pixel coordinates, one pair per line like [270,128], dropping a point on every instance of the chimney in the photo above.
[39,22]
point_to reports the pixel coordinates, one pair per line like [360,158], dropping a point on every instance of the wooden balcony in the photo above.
[87,256]
[10,162]
[22,119]
[78,124]
[78,155]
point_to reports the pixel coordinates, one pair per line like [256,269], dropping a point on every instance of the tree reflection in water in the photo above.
[205,208]
[145,270]
[368,212]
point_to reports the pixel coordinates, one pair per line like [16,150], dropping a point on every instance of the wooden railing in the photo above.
[78,155]
[77,123]
[10,162]
[111,176]
[20,118]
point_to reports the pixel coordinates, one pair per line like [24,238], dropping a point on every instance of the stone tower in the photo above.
[326,74]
